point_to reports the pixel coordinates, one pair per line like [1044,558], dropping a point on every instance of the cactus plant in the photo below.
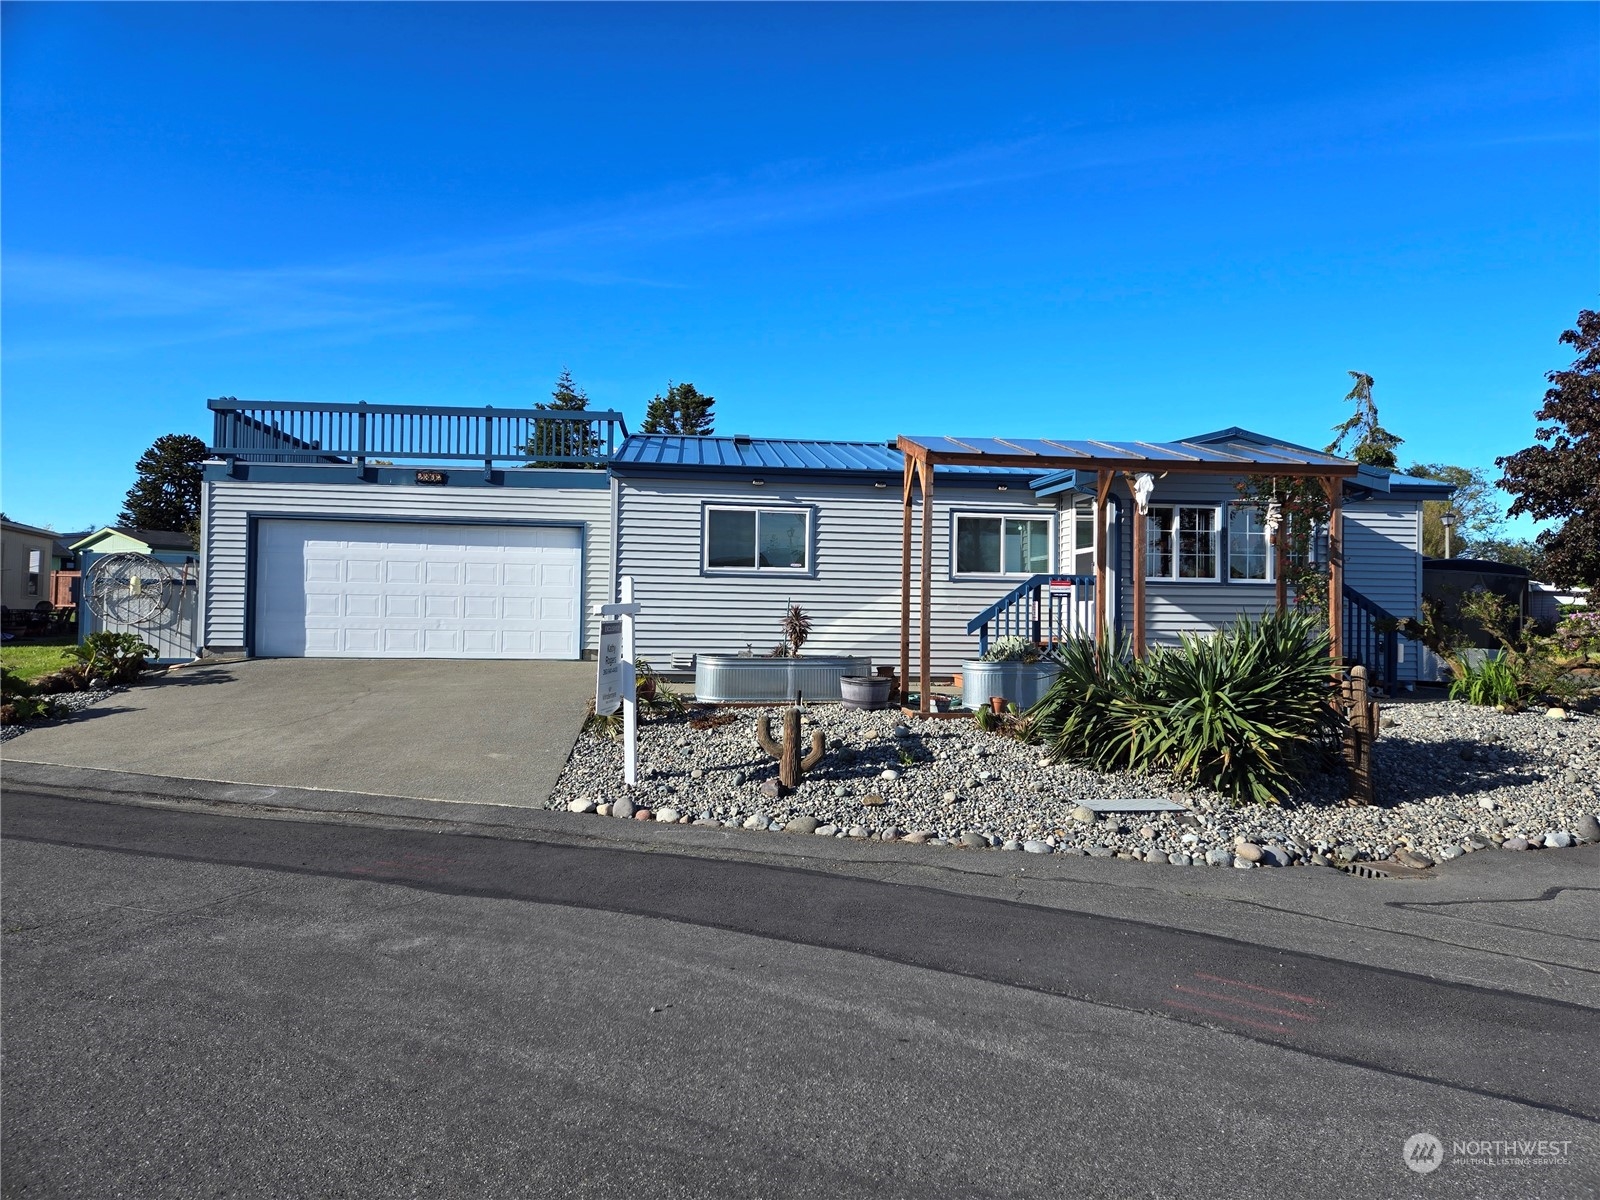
[791,765]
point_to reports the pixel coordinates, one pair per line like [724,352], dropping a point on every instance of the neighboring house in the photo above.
[25,565]
[65,574]
[171,627]
[310,549]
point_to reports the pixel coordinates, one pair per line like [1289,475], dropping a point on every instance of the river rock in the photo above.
[668,816]
[802,825]
[1084,814]
[1249,852]
[1587,828]
[974,841]
[581,806]
[623,809]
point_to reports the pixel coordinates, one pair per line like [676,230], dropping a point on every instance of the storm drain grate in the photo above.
[1385,870]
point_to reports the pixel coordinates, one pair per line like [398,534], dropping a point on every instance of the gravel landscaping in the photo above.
[1451,779]
[73,702]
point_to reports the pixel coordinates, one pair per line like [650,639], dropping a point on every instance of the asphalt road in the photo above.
[200,1005]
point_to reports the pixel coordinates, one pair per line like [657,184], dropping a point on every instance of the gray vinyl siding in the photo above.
[228,507]
[1175,607]
[1383,561]
[853,598]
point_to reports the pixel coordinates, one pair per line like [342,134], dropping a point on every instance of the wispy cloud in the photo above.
[115,305]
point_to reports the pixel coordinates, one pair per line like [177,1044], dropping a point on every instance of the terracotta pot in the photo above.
[997,705]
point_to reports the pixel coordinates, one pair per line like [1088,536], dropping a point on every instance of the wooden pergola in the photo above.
[1106,460]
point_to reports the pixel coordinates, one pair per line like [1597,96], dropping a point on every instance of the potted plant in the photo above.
[865,691]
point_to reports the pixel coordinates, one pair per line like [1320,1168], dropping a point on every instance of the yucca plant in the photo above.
[1244,712]
[1075,717]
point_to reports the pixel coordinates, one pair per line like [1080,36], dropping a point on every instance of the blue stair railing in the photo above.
[1371,637]
[1042,608]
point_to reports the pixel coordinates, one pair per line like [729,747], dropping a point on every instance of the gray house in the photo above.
[506,527]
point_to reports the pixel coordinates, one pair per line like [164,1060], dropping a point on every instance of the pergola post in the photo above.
[1139,524]
[1280,568]
[908,466]
[1335,492]
[1102,491]
[924,666]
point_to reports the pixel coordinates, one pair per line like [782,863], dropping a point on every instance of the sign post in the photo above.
[616,677]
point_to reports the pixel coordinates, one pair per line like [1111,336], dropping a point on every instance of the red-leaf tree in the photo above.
[1559,479]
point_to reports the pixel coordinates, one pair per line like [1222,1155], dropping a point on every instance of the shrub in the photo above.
[20,702]
[114,657]
[1246,712]
[1579,633]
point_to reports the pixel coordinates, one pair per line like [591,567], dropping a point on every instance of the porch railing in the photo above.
[258,431]
[1045,609]
[1371,637]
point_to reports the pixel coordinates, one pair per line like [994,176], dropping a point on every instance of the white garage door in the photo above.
[366,589]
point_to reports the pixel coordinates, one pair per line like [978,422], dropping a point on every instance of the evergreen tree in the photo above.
[682,410]
[1478,520]
[567,439]
[166,494]
[1374,445]
[1560,478]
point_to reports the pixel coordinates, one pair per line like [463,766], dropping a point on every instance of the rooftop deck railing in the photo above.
[267,431]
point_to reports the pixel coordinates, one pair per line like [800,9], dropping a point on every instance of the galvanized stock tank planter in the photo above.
[730,678]
[1021,683]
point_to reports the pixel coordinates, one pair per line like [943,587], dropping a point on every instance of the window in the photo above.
[1002,545]
[1181,543]
[1249,548]
[1083,537]
[34,563]
[758,539]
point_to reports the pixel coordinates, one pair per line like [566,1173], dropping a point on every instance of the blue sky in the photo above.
[1135,221]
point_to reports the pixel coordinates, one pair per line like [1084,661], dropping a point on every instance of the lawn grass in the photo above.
[33,659]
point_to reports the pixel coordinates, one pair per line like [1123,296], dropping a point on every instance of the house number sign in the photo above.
[437,478]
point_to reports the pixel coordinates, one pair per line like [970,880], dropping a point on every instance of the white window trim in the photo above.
[1272,551]
[756,568]
[980,514]
[1218,550]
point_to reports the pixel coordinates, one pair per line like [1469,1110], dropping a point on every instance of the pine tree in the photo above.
[567,439]
[166,494]
[682,410]
[1375,445]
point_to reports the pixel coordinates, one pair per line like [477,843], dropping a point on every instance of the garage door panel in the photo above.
[376,589]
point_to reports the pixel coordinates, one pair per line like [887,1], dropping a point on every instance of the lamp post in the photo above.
[1448,519]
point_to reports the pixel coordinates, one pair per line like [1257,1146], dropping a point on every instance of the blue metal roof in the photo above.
[1250,452]
[652,453]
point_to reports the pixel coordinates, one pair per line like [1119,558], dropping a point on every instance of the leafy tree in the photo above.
[166,494]
[566,439]
[1559,479]
[681,410]
[1374,445]
[1478,518]
[1515,552]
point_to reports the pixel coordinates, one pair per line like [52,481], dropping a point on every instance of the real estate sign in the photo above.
[608,687]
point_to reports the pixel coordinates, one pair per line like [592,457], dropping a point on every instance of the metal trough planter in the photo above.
[1023,684]
[730,678]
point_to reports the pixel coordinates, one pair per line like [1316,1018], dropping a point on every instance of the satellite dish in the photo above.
[133,589]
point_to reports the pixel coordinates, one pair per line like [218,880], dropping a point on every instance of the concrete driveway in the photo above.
[481,732]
